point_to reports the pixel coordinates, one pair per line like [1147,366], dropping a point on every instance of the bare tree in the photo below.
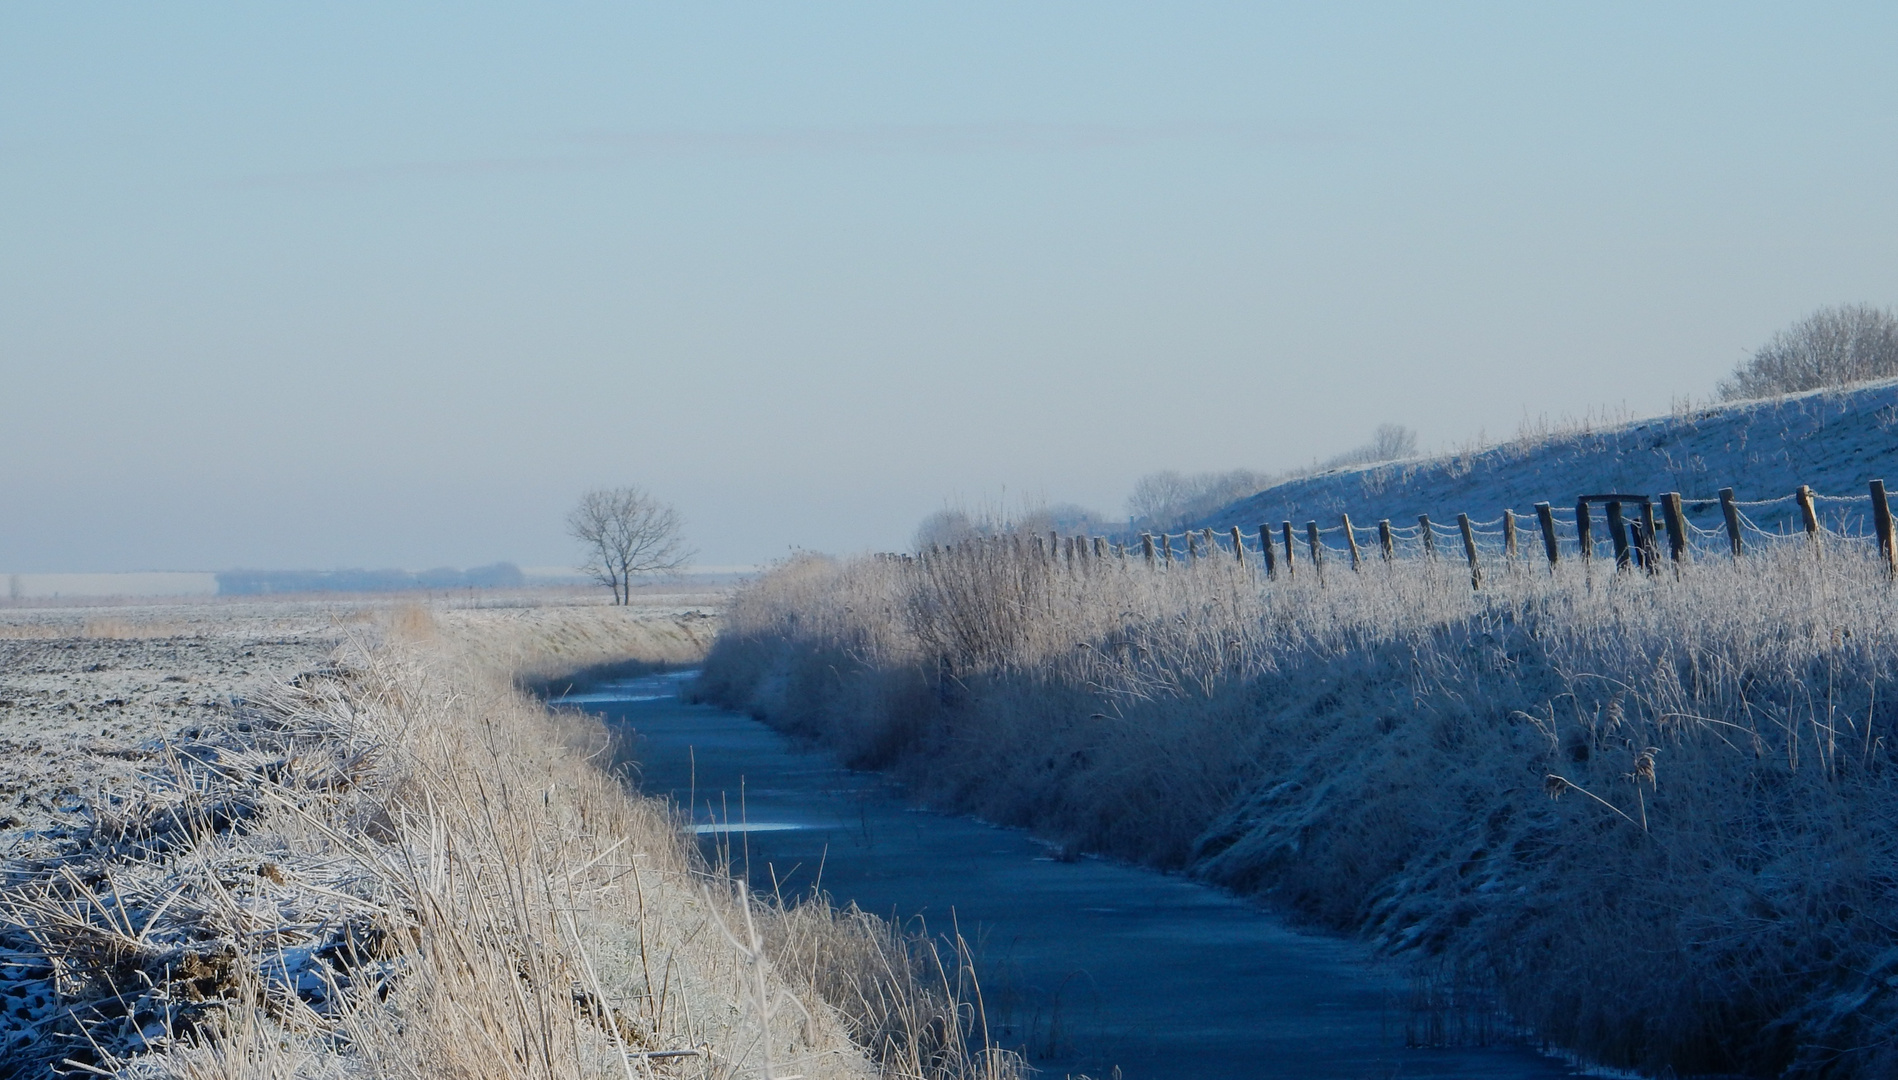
[1162,497]
[1831,347]
[1389,442]
[628,534]
[1394,441]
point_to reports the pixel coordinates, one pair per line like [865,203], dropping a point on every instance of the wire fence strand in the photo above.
[1762,524]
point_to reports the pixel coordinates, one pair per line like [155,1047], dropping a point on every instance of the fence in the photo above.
[1633,540]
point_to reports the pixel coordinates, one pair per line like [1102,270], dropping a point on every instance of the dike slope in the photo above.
[1834,440]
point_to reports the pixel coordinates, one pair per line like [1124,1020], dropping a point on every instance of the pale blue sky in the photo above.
[329,285]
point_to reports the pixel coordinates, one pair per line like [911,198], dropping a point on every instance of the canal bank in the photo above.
[1088,965]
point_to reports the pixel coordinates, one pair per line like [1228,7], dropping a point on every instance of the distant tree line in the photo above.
[501,575]
[1159,500]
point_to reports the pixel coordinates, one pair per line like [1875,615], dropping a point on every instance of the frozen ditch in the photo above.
[1087,965]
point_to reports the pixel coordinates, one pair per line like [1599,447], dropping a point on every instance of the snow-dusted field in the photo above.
[89,696]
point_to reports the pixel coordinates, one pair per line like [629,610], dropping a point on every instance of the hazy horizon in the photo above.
[358,287]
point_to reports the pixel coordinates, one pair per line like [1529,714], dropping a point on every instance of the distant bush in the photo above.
[1166,500]
[1831,347]
[954,524]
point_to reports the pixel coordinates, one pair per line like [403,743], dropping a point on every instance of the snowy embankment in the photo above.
[1834,441]
[1650,818]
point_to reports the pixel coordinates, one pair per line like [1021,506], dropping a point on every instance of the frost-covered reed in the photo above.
[1653,816]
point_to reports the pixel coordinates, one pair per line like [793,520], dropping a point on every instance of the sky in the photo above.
[317,286]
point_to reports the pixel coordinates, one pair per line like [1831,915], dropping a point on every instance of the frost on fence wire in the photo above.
[1287,546]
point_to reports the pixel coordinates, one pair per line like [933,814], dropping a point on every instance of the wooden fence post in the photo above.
[1067,550]
[1384,540]
[1584,534]
[1351,540]
[1676,526]
[1881,518]
[1054,544]
[1509,535]
[1650,546]
[1618,534]
[1100,547]
[1545,517]
[1041,548]
[1238,546]
[1146,547]
[1265,547]
[1807,513]
[1212,546]
[1290,563]
[1469,549]
[1429,537]
[1166,549]
[1192,545]
[1732,514]
[1317,552]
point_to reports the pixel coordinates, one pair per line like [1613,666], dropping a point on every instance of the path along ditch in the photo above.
[1087,965]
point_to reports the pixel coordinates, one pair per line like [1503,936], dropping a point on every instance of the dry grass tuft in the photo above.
[411,624]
